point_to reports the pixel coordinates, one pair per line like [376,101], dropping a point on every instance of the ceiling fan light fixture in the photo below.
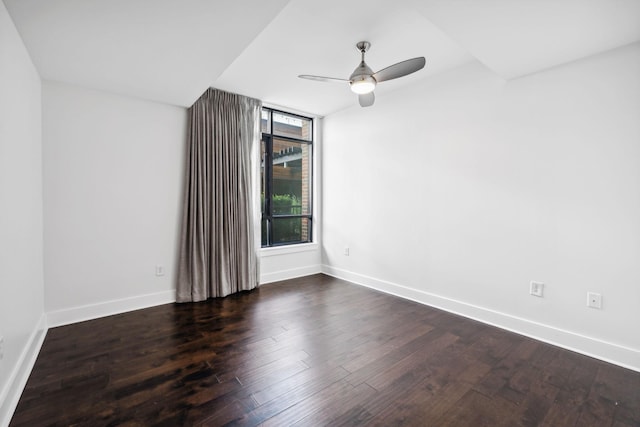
[363,80]
[363,85]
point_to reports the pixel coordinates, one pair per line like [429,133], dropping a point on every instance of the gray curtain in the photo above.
[218,251]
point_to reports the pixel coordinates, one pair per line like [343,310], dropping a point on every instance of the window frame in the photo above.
[268,215]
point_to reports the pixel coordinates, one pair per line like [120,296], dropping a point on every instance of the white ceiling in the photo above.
[172,50]
[519,37]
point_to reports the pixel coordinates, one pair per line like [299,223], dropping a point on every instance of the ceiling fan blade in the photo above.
[400,69]
[323,79]
[367,99]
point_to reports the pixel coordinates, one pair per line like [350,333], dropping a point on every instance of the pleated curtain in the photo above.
[218,247]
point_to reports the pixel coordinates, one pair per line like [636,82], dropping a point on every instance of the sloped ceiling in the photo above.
[171,51]
[519,37]
[163,50]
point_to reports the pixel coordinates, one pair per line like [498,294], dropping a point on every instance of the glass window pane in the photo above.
[263,178]
[291,188]
[285,175]
[265,120]
[292,126]
[291,230]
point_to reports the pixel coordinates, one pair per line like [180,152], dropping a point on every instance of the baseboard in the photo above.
[276,276]
[108,308]
[10,396]
[609,352]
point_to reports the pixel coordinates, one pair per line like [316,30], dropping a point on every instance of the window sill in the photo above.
[289,249]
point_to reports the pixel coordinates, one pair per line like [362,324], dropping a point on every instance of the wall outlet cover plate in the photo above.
[536,288]
[594,300]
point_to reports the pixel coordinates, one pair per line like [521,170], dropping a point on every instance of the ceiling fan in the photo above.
[363,80]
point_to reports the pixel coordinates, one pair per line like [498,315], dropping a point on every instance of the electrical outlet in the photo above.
[346,251]
[536,288]
[594,300]
[159,270]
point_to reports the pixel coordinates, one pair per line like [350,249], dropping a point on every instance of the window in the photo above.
[286,178]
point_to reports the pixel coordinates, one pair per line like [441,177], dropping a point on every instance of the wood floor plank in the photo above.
[401,337]
[297,381]
[339,390]
[416,361]
[476,409]
[382,363]
[314,351]
[327,414]
[292,396]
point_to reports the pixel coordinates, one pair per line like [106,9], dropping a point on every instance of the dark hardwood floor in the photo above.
[315,351]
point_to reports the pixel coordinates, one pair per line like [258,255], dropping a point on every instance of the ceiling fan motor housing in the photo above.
[361,80]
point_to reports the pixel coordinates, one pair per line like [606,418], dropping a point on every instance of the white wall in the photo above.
[460,191]
[21,282]
[282,263]
[113,170]
[113,174]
